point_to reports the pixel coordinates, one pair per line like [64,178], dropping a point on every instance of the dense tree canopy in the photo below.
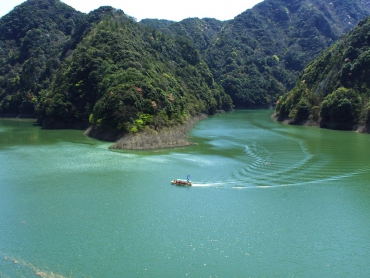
[258,55]
[335,87]
[105,69]
[31,40]
[102,68]
[126,77]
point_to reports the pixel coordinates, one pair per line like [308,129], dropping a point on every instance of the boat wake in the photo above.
[266,182]
[290,159]
[230,184]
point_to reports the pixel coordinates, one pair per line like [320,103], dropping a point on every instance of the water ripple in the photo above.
[264,166]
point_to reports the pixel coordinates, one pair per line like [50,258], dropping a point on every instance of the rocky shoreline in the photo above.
[167,137]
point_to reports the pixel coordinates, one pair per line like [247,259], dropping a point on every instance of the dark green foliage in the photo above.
[338,82]
[106,69]
[31,40]
[50,15]
[102,68]
[156,23]
[340,109]
[297,105]
[303,110]
[258,55]
[125,77]
[84,26]
[202,32]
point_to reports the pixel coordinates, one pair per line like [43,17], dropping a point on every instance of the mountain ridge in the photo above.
[105,69]
[259,54]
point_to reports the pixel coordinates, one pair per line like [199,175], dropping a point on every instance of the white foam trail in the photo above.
[265,183]
[201,185]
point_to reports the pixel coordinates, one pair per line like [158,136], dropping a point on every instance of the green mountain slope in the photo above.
[156,23]
[31,41]
[202,32]
[125,77]
[334,89]
[258,55]
[107,70]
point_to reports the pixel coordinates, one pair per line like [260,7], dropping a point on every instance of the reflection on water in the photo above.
[292,198]
[14,132]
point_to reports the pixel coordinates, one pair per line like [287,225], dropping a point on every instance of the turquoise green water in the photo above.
[268,200]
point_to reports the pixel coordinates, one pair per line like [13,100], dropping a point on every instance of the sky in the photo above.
[175,10]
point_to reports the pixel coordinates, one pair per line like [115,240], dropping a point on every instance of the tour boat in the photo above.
[186,182]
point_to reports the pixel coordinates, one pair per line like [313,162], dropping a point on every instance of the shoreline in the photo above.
[359,128]
[167,137]
[290,121]
[149,139]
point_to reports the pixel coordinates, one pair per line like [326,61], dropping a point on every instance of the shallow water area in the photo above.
[267,200]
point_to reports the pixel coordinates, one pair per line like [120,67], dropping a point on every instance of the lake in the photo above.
[268,200]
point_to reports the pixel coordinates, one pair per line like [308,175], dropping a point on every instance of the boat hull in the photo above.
[182,182]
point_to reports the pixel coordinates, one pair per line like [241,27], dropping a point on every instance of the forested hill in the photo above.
[157,23]
[102,68]
[105,69]
[32,37]
[202,32]
[334,89]
[126,77]
[258,55]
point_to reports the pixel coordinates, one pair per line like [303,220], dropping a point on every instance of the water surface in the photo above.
[269,200]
